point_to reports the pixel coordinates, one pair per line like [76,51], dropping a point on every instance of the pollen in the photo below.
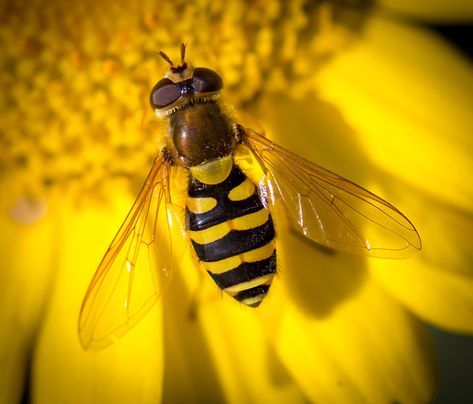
[76,77]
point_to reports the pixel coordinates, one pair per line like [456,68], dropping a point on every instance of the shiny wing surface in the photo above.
[135,269]
[329,209]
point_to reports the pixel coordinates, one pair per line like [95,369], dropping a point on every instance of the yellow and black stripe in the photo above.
[231,231]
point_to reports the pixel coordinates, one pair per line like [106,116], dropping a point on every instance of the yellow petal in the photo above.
[190,372]
[437,284]
[26,274]
[317,131]
[445,230]
[345,339]
[432,10]
[408,97]
[442,298]
[222,355]
[131,370]
[248,368]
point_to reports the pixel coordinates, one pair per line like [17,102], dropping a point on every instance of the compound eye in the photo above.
[206,80]
[164,93]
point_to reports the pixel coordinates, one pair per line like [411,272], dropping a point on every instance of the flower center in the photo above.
[76,77]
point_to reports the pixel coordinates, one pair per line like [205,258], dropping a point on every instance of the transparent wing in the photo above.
[329,209]
[135,269]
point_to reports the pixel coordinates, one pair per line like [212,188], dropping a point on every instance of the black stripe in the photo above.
[235,242]
[225,208]
[257,290]
[245,272]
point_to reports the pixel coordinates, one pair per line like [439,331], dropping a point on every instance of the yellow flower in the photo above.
[355,88]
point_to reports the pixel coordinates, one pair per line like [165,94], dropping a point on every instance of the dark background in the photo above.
[459,35]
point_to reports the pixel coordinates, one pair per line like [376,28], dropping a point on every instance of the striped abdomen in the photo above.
[231,231]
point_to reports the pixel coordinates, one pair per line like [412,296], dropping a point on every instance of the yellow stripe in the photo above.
[259,254]
[245,159]
[211,234]
[242,191]
[218,231]
[249,221]
[262,280]
[253,300]
[227,264]
[213,172]
[222,266]
[201,205]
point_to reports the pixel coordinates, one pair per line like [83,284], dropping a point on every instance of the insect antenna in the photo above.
[183,52]
[176,68]
[166,57]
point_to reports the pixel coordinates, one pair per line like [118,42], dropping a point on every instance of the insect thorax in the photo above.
[201,132]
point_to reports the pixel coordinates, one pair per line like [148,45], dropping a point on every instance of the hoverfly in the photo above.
[228,212]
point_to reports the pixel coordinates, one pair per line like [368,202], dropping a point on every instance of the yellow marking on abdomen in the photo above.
[227,264]
[201,205]
[211,234]
[259,254]
[218,267]
[253,301]
[262,280]
[242,191]
[213,172]
[218,231]
[249,221]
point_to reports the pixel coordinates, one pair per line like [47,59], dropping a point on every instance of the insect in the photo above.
[228,209]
